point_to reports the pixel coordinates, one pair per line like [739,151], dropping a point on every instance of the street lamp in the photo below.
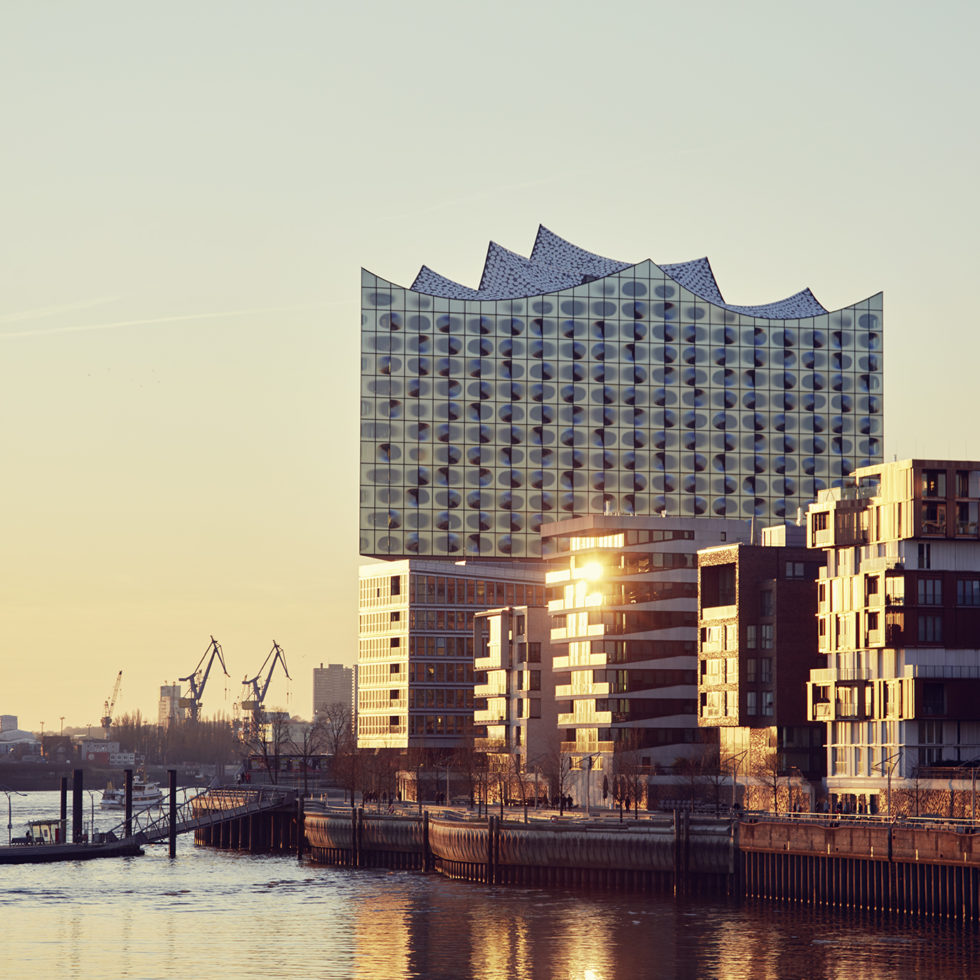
[10,812]
[893,759]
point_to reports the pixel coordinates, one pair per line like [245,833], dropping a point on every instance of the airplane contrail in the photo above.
[43,311]
[149,321]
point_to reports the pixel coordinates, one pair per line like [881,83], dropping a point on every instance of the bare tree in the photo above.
[767,768]
[556,764]
[334,722]
[629,778]
[267,742]
[308,746]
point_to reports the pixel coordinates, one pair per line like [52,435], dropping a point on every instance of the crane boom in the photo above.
[110,704]
[257,686]
[199,677]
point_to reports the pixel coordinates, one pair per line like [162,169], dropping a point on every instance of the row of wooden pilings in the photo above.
[278,831]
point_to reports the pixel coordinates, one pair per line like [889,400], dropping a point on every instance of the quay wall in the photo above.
[679,852]
[878,866]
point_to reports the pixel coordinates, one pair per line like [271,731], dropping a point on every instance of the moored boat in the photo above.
[145,794]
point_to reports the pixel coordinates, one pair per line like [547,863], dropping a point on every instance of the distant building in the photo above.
[898,616]
[415,651]
[757,643]
[169,711]
[333,684]
[8,723]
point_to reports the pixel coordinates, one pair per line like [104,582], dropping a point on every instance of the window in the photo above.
[820,521]
[395,641]
[930,629]
[968,592]
[962,483]
[933,483]
[396,585]
[765,603]
[925,556]
[394,668]
[930,592]
[751,703]
[871,585]
[795,569]
[767,636]
[750,668]
[872,621]
[933,699]
[767,703]
[534,653]
[520,625]
[933,518]
[750,640]
[765,670]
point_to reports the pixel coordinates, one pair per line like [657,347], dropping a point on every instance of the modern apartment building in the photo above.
[415,654]
[515,709]
[757,643]
[898,615]
[623,596]
[569,384]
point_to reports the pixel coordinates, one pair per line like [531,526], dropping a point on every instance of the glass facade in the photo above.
[638,391]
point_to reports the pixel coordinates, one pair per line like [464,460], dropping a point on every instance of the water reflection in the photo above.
[211,914]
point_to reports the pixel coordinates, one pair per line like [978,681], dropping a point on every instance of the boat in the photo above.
[145,794]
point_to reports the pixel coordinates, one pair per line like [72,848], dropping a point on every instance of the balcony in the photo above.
[823,711]
[718,612]
[599,690]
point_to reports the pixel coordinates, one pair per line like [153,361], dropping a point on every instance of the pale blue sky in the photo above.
[191,188]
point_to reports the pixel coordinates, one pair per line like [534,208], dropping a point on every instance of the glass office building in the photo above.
[570,384]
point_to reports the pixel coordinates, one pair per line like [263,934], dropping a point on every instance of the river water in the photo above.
[209,914]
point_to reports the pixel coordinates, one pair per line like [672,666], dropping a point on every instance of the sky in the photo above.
[190,190]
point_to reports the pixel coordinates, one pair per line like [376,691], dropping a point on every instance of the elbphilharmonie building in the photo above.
[570,384]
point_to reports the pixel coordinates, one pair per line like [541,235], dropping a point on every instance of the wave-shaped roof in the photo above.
[556,264]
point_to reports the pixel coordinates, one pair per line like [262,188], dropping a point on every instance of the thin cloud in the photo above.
[43,311]
[152,321]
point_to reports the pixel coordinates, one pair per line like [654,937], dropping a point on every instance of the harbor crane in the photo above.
[199,678]
[110,704]
[253,699]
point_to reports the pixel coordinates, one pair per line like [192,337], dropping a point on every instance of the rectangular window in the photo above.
[765,603]
[767,636]
[871,585]
[820,521]
[872,621]
[930,629]
[933,483]
[396,585]
[925,556]
[750,670]
[767,703]
[968,592]
[765,670]
[933,518]
[751,703]
[750,637]
[795,569]
[930,592]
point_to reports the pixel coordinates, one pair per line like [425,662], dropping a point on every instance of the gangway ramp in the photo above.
[204,809]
